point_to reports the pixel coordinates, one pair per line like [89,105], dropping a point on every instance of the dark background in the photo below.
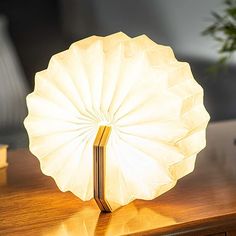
[40,28]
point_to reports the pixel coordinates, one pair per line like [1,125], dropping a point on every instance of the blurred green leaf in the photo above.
[232,12]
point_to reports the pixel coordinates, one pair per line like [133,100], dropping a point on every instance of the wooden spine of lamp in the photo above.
[99,168]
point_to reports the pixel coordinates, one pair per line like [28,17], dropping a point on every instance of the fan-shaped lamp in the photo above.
[116,119]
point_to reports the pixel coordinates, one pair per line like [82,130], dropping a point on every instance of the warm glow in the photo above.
[151,101]
[3,156]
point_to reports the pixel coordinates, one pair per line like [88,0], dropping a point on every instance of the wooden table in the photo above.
[202,203]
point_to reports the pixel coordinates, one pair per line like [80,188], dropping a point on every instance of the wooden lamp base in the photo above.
[99,169]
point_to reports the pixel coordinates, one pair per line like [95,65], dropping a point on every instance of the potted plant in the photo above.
[223,30]
[220,86]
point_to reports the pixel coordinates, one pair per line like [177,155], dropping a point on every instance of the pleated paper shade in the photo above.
[150,100]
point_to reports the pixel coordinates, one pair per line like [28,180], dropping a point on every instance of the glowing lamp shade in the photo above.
[130,91]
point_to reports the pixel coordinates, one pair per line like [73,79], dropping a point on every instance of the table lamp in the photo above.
[116,119]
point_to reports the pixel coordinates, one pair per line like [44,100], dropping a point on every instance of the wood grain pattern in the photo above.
[231,233]
[202,202]
[220,234]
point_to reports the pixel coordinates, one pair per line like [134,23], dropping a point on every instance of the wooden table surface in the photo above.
[31,204]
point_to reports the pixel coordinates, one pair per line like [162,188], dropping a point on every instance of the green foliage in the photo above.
[223,30]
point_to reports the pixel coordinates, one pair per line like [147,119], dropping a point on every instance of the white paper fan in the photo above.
[151,101]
